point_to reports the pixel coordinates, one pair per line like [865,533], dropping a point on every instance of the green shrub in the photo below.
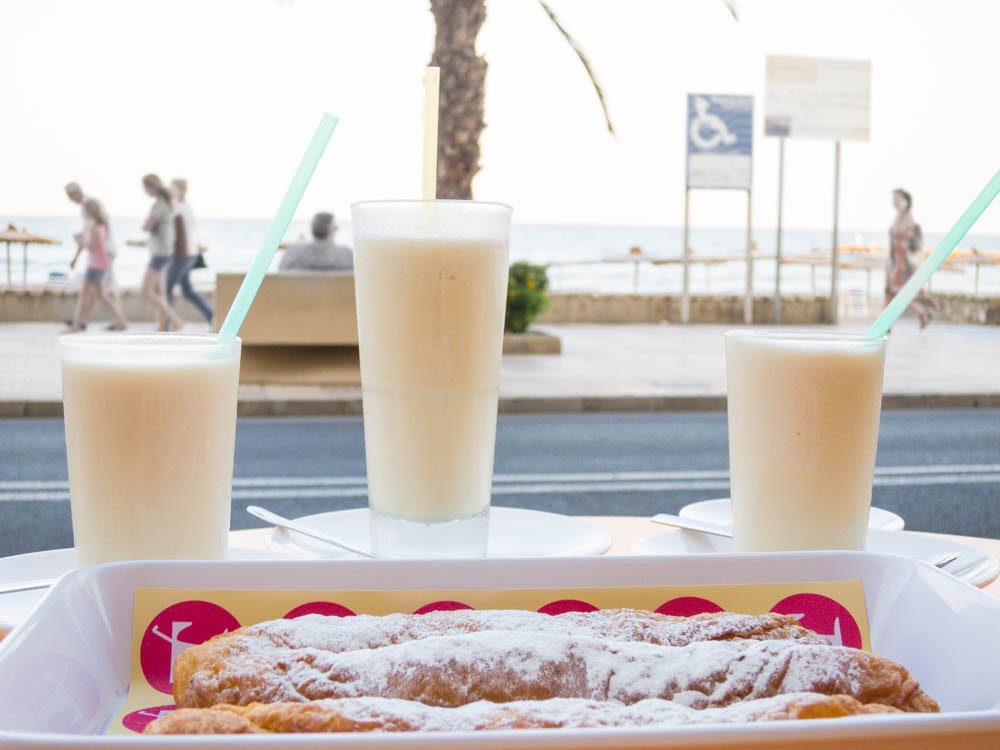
[527,295]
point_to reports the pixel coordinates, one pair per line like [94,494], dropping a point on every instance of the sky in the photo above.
[227,94]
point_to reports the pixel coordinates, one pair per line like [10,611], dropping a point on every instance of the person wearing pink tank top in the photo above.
[95,242]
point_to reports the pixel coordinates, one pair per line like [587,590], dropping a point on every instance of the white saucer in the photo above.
[721,512]
[972,566]
[514,532]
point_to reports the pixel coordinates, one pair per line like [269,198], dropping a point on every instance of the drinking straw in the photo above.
[911,288]
[432,86]
[279,225]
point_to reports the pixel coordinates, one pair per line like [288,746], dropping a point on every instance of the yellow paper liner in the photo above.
[834,608]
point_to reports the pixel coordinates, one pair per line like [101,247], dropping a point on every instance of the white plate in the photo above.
[64,672]
[514,532]
[972,566]
[721,512]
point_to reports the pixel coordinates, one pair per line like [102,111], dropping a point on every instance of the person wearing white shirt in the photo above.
[185,250]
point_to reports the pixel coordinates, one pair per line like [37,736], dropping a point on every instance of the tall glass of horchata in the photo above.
[803,425]
[431,284]
[150,432]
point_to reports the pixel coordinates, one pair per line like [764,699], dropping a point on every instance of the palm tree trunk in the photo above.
[463,76]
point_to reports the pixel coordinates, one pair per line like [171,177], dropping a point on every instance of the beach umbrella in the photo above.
[13,236]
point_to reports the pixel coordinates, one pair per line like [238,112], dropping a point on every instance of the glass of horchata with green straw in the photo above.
[151,420]
[803,422]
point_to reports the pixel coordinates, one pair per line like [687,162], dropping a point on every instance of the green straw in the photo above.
[912,288]
[279,225]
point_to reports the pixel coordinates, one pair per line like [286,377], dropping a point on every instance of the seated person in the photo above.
[320,254]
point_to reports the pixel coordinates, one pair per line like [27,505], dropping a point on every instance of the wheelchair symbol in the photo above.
[708,131]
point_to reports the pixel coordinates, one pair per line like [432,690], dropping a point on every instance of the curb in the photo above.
[350,406]
[941,401]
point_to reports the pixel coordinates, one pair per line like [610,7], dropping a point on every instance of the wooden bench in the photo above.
[302,328]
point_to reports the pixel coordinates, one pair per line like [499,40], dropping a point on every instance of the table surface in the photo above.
[627,530]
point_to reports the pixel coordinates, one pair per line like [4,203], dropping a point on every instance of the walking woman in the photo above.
[160,225]
[905,242]
[94,240]
[185,250]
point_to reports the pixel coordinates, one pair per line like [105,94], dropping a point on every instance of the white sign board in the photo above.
[813,97]
[720,141]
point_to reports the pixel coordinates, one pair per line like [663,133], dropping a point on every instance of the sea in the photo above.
[577,256]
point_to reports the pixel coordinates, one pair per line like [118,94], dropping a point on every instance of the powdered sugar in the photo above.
[367,631]
[504,666]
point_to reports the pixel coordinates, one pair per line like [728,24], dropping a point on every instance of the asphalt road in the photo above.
[939,469]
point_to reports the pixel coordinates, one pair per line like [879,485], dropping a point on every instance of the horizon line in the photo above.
[639,225]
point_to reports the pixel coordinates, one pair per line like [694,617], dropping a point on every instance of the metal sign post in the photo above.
[686,290]
[719,156]
[777,249]
[748,299]
[835,254]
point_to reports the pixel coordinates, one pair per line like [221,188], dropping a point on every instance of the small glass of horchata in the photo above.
[803,425]
[150,432]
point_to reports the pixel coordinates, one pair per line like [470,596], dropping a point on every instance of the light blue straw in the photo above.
[912,288]
[279,225]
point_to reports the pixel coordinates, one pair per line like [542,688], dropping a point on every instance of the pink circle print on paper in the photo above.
[823,615]
[567,605]
[445,605]
[327,609]
[687,606]
[137,720]
[176,628]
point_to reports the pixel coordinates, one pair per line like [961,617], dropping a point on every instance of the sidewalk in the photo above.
[602,368]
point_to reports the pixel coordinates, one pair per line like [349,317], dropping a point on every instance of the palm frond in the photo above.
[578,49]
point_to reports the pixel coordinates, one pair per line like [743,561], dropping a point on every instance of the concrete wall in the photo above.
[57,304]
[652,308]
[34,304]
[966,308]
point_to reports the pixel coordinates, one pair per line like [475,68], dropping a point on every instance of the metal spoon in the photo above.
[715,529]
[287,523]
[34,585]
[705,527]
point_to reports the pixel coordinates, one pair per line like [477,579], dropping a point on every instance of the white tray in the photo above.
[64,671]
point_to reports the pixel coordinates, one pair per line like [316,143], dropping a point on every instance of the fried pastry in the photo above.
[503,666]
[389,715]
[338,634]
